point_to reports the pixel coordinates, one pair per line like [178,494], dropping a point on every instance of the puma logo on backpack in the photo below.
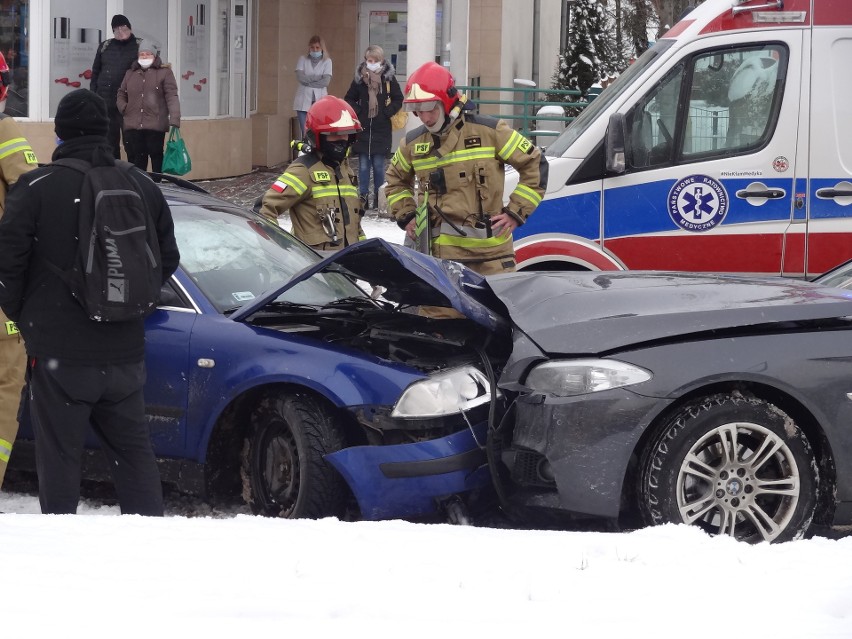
[117,274]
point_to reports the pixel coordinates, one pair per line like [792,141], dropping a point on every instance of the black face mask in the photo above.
[334,151]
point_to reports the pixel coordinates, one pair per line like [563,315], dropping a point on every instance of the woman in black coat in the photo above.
[375,95]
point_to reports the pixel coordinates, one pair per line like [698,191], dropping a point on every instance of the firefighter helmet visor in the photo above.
[421,106]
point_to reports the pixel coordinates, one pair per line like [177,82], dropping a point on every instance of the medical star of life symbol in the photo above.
[697,203]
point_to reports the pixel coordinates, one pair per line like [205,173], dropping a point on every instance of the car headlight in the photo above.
[444,393]
[568,377]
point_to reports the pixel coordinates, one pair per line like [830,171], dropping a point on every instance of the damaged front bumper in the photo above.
[410,480]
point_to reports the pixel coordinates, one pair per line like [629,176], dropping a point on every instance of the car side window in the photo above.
[719,103]
[169,296]
[652,123]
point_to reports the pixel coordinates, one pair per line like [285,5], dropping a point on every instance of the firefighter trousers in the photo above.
[13,361]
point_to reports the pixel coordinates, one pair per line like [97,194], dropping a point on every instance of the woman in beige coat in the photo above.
[148,100]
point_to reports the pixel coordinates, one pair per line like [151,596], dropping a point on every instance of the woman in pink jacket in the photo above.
[148,100]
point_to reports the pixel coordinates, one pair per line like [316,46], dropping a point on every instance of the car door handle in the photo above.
[830,194]
[769,194]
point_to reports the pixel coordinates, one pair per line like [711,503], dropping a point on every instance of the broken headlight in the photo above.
[444,393]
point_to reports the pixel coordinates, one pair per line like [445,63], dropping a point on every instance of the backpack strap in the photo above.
[81,166]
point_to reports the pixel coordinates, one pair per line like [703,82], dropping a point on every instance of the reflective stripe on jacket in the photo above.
[312,192]
[16,158]
[462,173]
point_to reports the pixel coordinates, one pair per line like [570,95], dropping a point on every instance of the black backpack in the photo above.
[117,274]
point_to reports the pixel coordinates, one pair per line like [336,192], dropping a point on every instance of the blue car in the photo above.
[276,376]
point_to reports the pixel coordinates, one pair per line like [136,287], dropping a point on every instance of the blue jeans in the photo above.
[303,115]
[366,163]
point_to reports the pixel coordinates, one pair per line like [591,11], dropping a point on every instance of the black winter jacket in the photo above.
[376,138]
[112,61]
[40,224]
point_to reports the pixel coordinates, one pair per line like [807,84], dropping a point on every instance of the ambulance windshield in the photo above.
[590,113]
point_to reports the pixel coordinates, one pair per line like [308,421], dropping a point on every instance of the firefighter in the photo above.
[16,158]
[445,182]
[318,187]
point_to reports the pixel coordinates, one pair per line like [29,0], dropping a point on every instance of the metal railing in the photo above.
[520,104]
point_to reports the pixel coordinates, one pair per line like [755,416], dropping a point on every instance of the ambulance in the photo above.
[726,147]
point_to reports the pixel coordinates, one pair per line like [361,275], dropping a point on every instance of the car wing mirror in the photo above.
[616,144]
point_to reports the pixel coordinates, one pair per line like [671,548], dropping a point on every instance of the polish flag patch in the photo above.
[279,186]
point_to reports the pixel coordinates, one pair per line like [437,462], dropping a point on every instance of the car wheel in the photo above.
[733,465]
[283,466]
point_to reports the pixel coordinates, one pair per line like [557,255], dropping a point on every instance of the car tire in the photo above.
[767,491]
[283,465]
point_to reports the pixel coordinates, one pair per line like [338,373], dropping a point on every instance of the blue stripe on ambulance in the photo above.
[574,215]
[826,208]
[625,215]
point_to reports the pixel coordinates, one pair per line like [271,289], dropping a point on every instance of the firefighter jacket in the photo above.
[16,158]
[322,199]
[460,174]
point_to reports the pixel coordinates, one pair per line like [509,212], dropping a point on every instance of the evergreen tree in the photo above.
[586,58]
[638,19]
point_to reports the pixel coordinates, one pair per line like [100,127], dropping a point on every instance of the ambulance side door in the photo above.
[829,190]
[711,152]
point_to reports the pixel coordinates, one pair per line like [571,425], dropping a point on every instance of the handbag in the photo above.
[176,159]
[398,119]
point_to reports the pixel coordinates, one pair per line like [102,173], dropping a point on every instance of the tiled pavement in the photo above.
[243,190]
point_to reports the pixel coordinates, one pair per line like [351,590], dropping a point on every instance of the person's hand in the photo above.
[503,224]
[409,230]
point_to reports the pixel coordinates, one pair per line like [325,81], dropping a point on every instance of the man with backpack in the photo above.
[86,351]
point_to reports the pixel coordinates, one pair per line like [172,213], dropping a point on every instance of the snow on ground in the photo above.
[107,576]
[225,573]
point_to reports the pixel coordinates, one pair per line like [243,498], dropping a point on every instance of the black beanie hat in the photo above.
[119,20]
[81,112]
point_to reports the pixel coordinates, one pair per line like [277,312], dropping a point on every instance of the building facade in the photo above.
[234,60]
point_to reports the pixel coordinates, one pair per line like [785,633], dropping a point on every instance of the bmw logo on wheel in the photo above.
[698,203]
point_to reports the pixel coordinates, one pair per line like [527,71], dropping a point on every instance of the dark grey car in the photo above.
[719,401]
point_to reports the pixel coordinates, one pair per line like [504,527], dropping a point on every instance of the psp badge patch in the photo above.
[698,203]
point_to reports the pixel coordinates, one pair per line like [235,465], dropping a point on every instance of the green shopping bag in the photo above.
[176,158]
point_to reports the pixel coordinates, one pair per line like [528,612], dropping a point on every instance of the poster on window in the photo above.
[389,30]
[76,34]
[194,74]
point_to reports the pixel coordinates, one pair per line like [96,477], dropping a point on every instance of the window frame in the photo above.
[687,69]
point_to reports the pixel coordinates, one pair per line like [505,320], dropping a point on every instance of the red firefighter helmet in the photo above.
[4,69]
[330,114]
[429,84]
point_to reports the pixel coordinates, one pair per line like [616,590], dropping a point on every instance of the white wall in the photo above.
[518,23]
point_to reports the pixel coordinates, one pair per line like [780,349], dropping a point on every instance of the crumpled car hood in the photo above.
[579,312]
[409,277]
[594,312]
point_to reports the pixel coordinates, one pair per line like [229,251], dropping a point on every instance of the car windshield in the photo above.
[234,259]
[607,96]
[840,277]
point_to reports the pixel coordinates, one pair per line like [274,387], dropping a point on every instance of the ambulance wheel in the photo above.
[284,473]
